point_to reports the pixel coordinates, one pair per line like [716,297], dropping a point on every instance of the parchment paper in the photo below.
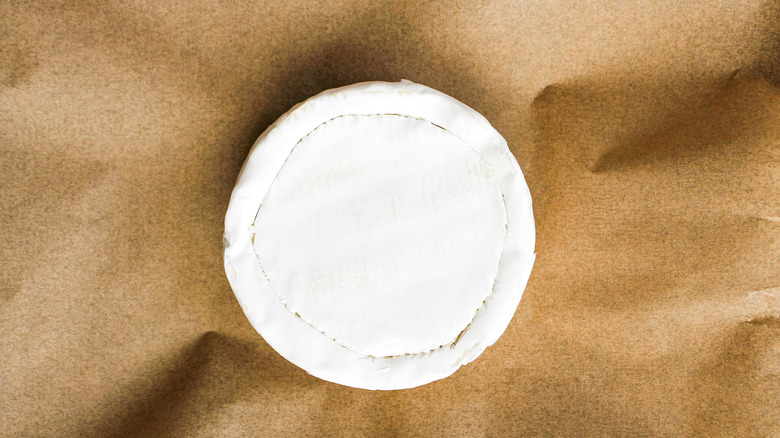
[649,132]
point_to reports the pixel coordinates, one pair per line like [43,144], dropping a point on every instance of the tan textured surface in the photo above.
[650,136]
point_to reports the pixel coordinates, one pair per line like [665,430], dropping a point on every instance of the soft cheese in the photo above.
[380,235]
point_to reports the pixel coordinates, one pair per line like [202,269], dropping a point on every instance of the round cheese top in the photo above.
[380,235]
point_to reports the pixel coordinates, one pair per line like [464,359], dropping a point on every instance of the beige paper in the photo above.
[649,133]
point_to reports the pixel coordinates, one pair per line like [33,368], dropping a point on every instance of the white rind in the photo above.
[384,232]
[308,347]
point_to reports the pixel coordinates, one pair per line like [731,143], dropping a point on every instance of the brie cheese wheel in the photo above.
[380,235]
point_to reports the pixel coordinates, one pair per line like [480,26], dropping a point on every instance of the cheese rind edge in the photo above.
[307,347]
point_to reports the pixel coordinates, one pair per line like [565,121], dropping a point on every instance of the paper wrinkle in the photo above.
[228,365]
[767,320]
[616,126]
[767,302]
[95,80]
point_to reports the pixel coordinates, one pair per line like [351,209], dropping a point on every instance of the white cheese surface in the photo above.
[380,235]
[384,232]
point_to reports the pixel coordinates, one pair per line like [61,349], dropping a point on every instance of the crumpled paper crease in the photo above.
[648,133]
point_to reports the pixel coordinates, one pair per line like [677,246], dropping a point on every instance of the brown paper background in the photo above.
[649,132]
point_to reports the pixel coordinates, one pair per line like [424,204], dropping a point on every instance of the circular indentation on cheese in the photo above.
[366,239]
[383,232]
